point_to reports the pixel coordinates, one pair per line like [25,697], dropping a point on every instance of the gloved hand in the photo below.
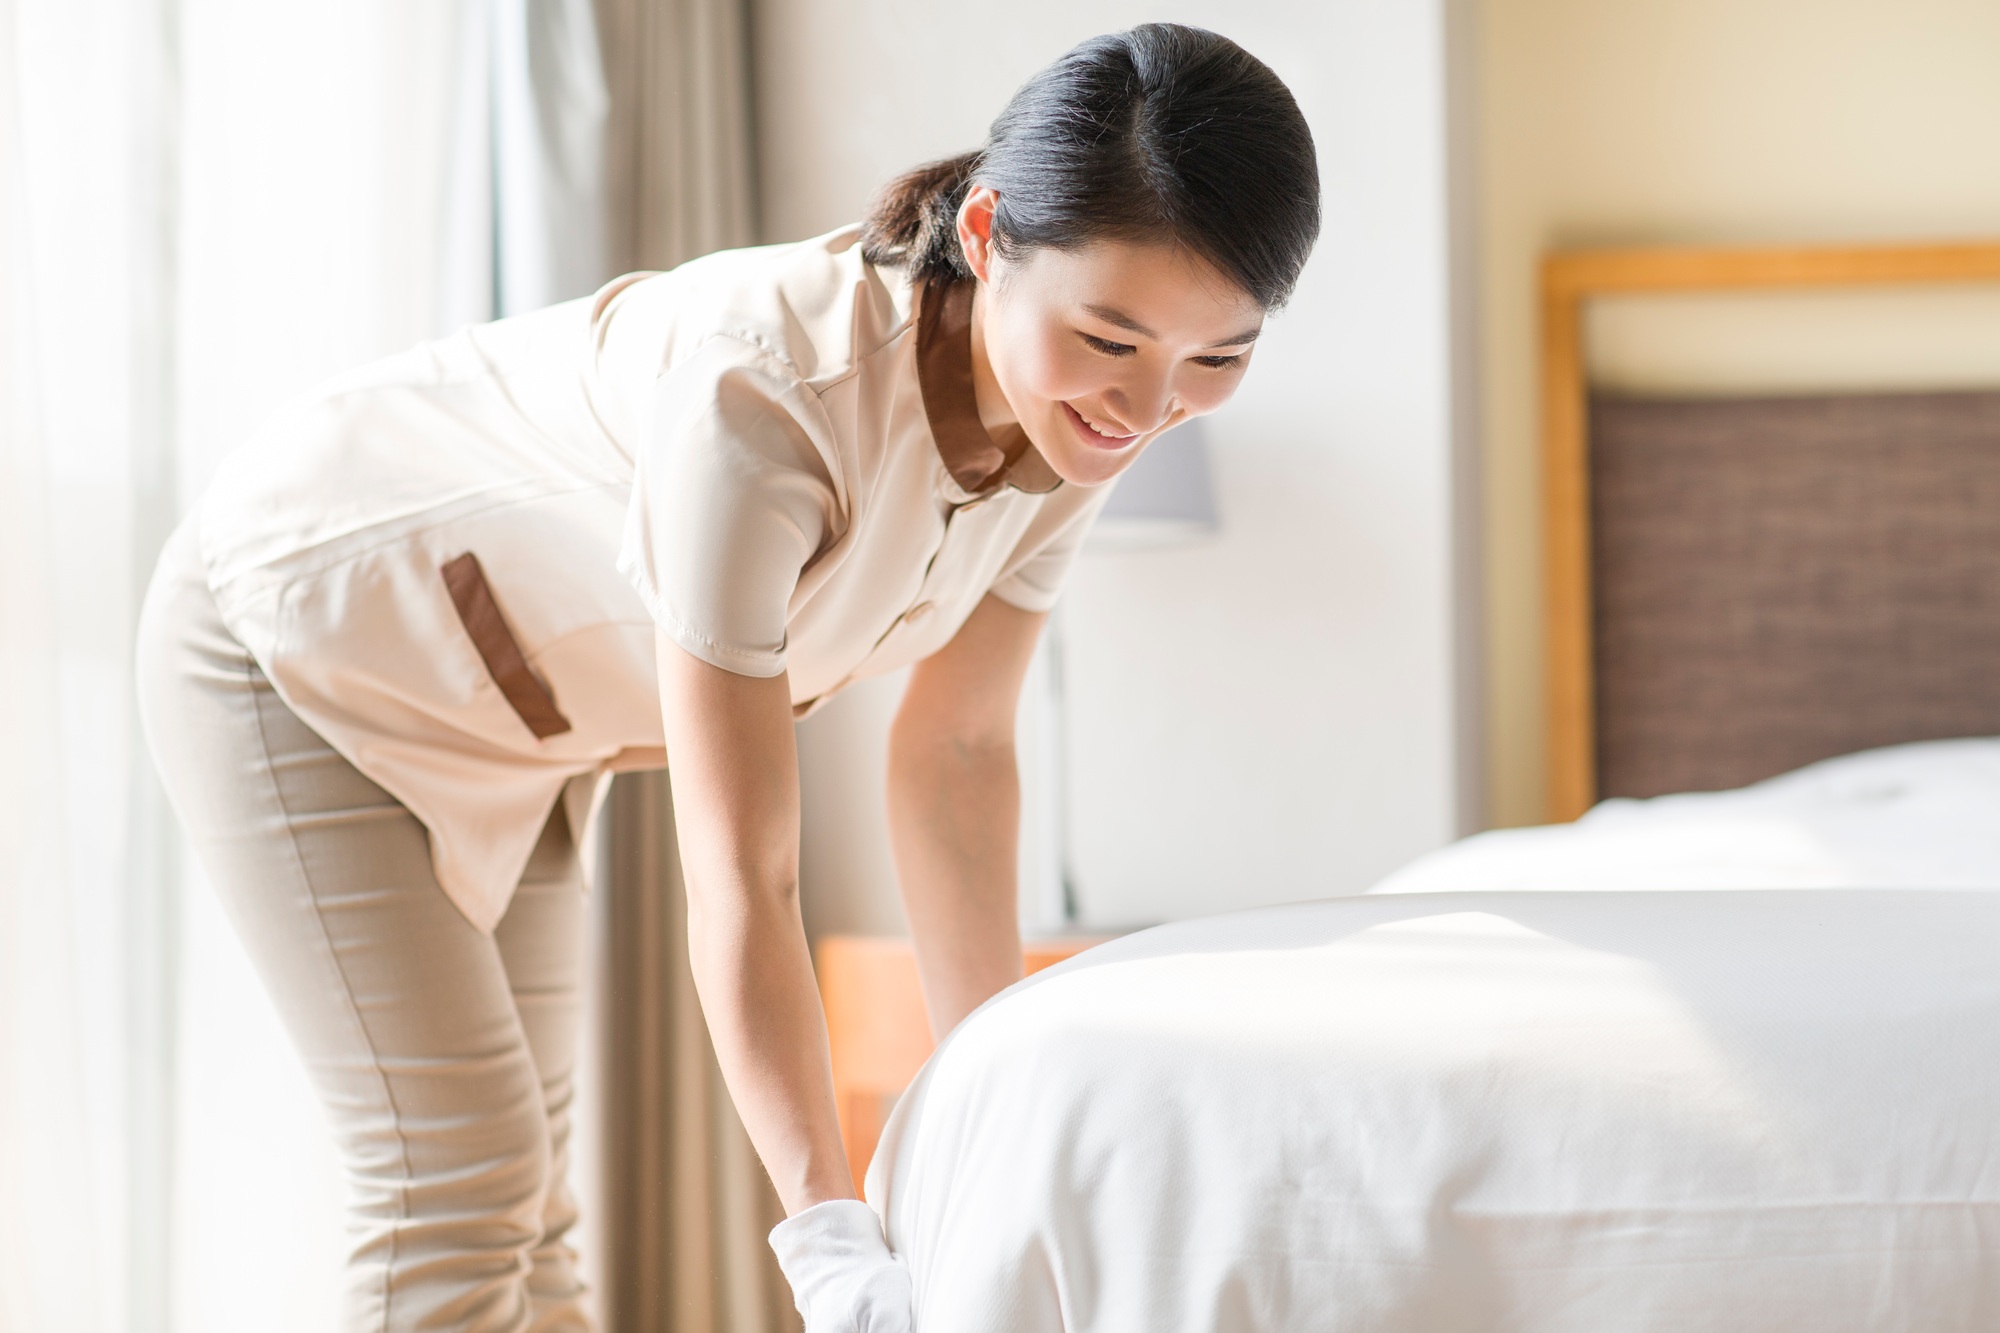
[844,1278]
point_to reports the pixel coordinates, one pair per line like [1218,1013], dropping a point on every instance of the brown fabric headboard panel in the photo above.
[1781,580]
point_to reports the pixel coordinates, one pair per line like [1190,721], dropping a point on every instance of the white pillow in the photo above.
[1925,815]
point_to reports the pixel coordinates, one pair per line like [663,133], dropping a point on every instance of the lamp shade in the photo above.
[1165,499]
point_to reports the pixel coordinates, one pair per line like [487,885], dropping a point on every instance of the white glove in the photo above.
[844,1278]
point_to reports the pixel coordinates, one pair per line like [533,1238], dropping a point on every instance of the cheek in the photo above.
[1202,391]
[1039,364]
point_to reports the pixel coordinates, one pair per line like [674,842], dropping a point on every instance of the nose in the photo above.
[1142,404]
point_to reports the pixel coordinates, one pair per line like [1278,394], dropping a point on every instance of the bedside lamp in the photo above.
[1166,499]
[877,1034]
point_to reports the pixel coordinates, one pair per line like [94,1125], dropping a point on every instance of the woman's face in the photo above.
[1098,350]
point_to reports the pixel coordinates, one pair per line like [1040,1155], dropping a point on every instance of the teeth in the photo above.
[1107,434]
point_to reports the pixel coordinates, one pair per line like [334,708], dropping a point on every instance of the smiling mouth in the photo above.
[1092,436]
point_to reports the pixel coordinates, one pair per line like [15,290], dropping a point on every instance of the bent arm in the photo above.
[955,809]
[733,766]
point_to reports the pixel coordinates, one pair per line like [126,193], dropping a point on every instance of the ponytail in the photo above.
[912,223]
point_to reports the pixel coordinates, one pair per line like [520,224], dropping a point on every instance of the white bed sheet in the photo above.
[1591,1110]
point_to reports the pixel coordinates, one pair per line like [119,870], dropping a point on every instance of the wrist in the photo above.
[825,1180]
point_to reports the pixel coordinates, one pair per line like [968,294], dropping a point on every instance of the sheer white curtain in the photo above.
[85,487]
[205,206]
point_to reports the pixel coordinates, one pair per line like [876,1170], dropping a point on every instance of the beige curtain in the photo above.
[680,151]
[683,1203]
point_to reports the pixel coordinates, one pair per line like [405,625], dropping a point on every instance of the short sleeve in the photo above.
[1033,576]
[732,495]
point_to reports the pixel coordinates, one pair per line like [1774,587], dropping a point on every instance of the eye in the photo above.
[1107,347]
[1229,362]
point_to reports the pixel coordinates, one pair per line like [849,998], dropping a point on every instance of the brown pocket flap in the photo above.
[499,649]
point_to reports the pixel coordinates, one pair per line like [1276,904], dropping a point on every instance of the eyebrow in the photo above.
[1125,321]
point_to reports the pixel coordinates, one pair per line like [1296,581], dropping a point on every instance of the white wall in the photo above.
[1269,715]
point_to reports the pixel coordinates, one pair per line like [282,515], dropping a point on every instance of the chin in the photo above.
[1080,464]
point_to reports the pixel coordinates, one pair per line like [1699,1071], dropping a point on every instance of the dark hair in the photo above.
[1163,132]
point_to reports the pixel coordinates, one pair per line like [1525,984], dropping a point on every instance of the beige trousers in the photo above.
[443,1056]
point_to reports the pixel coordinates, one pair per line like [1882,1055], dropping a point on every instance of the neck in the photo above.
[995,412]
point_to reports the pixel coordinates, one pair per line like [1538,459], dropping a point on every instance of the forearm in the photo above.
[754,975]
[734,774]
[954,816]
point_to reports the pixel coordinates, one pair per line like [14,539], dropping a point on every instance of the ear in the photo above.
[975,230]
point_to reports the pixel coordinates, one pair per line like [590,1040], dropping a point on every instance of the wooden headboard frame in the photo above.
[1570,280]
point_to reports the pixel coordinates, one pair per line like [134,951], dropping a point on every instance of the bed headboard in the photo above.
[1739,586]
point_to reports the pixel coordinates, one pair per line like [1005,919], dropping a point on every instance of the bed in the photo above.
[1724,1052]
[1680,1094]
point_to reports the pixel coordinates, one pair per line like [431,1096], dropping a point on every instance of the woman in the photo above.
[388,662]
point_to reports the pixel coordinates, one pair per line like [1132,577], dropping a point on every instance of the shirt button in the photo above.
[917,612]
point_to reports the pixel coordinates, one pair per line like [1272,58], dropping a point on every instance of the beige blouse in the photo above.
[451,562]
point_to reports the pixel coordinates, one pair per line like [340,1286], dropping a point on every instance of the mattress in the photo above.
[1629,1108]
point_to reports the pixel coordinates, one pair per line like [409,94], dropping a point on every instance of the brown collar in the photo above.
[979,463]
